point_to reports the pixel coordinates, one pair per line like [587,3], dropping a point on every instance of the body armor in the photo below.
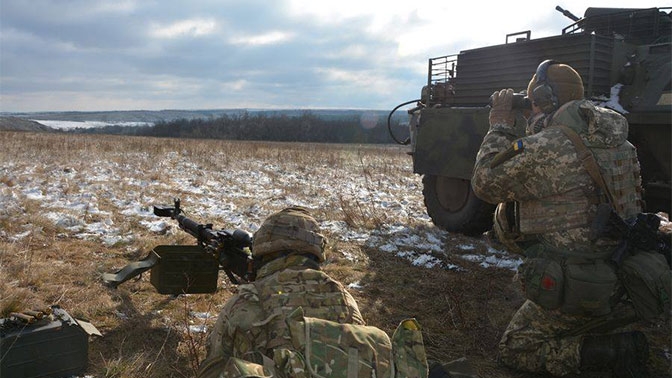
[603,132]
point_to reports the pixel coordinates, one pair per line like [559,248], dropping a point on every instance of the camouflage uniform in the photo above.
[241,330]
[555,202]
[296,321]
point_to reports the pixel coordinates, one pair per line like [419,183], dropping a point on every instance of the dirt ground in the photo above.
[48,258]
[463,314]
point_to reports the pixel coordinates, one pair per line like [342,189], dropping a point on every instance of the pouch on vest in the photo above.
[408,349]
[543,282]
[588,288]
[647,280]
[290,363]
[237,368]
[336,350]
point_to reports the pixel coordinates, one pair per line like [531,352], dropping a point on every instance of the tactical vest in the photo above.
[314,328]
[576,280]
[319,295]
[619,167]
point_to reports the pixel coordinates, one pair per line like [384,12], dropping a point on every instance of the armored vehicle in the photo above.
[623,56]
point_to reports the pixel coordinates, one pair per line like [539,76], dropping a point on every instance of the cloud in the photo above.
[191,27]
[269,38]
[205,53]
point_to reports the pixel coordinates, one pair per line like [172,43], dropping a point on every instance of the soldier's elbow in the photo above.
[483,190]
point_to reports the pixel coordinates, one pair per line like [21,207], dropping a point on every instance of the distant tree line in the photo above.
[306,127]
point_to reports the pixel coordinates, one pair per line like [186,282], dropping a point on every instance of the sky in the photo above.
[94,55]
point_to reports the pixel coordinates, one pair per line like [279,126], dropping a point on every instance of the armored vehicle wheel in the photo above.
[453,206]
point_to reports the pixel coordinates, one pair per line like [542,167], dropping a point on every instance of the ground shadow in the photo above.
[140,345]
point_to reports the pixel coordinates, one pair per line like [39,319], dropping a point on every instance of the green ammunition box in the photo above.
[184,269]
[53,346]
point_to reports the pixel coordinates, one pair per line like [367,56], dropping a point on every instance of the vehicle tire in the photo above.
[453,206]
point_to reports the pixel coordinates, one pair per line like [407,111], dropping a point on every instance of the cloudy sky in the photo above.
[210,54]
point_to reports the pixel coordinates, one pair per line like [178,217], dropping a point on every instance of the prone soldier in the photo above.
[294,320]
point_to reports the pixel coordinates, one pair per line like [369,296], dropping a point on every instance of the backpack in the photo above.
[323,348]
[648,281]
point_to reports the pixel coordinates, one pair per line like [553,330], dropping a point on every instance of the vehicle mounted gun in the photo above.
[192,269]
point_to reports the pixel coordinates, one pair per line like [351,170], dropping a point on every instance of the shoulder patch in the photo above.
[516,148]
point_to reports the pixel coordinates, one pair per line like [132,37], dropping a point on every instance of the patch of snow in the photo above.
[614,101]
[496,258]
[349,256]
[158,227]
[20,236]
[202,328]
[201,315]
[355,286]
[66,221]
[388,248]
[34,194]
[68,125]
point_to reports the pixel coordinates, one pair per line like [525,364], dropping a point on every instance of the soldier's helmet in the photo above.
[553,85]
[291,230]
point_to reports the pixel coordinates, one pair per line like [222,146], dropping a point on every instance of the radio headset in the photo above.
[543,95]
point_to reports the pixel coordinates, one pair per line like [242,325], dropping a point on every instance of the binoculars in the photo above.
[520,101]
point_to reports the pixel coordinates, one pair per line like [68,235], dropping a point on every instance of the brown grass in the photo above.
[463,313]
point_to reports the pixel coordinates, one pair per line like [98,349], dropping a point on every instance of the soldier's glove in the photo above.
[501,113]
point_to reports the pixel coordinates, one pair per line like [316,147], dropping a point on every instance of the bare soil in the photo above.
[463,312]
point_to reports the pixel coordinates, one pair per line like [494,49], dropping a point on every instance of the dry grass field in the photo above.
[73,207]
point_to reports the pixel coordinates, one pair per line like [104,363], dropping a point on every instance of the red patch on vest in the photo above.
[548,283]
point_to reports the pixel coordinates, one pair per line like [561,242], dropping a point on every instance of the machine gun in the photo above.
[226,246]
[191,269]
[567,13]
[638,233]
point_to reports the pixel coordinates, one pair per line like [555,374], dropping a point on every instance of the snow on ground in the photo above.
[239,197]
[68,125]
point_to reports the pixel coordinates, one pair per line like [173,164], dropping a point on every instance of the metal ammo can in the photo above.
[47,343]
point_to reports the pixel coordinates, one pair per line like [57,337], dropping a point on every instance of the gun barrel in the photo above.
[567,13]
[201,232]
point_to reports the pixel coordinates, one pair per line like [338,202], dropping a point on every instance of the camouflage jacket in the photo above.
[556,198]
[252,323]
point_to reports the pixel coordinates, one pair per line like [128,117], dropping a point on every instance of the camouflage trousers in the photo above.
[543,341]
[532,341]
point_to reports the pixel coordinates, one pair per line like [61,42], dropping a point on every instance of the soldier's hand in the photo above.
[501,112]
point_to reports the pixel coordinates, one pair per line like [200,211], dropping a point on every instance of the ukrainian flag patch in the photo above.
[515,149]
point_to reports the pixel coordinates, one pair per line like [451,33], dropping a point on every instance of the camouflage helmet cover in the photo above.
[291,229]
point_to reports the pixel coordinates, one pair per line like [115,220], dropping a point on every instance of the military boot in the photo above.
[460,368]
[436,370]
[625,354]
